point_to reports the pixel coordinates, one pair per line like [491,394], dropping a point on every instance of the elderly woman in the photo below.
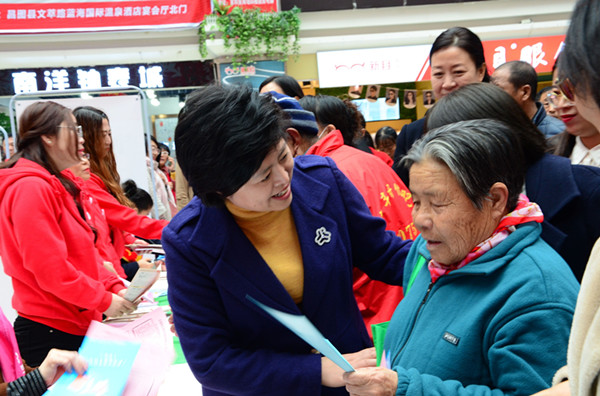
[569,195]
[286,232]
[488,303]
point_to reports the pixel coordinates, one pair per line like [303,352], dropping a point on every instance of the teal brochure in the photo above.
[109,364]
[304,329]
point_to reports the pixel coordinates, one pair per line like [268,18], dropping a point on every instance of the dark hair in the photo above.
[580,59]
[37,120]
[561,144]
[368,139]
[333,110]
[479,153]
[406,101]
[102,163]
[520,74]
[384,134]
[164,147]
[481,100]
[140,198]
[222,137]
[157,158]
[464,39]
[539,97]
[288,85]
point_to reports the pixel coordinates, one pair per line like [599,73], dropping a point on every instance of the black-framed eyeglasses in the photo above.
[77,129]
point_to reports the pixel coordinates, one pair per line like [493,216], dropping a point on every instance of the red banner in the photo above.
[101,15]
[539,52]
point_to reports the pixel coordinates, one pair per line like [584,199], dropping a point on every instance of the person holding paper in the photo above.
[18,379]
[488,303]
[46,244]
[285,232]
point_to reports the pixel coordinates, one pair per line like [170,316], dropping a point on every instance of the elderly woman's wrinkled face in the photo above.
[444,215]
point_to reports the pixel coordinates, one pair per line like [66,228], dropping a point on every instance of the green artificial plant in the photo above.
[252,33]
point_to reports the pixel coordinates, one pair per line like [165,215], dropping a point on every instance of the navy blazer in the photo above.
[232,347]
[569,196]
[408,135]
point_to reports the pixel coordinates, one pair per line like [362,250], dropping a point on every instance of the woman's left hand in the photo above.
[331,373]
[371,381]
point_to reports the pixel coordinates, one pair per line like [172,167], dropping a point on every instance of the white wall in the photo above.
[6,292]
[126,123]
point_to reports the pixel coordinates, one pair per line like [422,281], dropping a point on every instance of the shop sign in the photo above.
[371,66]
[147,76]
[38,17]
[252,75]
[411,63]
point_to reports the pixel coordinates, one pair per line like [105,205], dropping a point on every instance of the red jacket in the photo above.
[95,218]
[122,218]
[48,250]
[387,197]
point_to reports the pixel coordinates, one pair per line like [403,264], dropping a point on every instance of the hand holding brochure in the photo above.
[304,329]
[141,282]
[109,364]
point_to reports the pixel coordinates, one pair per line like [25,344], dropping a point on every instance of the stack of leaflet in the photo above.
[129,360]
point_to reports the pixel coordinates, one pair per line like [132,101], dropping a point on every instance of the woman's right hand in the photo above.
[332,374]
[145,263]
[119,306]
[58,361]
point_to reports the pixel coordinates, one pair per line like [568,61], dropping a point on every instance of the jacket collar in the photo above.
[524,235]
[550,183]
[234,251]
[327,145]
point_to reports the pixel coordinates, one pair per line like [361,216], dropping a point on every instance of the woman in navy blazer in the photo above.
[231,148]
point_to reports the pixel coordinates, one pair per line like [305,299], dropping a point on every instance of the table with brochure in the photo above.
[135,354]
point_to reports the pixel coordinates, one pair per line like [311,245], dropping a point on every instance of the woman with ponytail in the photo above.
[104,186]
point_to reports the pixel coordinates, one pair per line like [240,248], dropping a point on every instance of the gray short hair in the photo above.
[479,153]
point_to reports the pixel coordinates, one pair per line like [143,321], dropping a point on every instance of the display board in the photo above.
[126,122]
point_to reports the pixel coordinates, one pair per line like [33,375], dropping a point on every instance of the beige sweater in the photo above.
[583,356]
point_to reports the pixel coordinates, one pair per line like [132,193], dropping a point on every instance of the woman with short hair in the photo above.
[569,195]
[285,232]
[488,304]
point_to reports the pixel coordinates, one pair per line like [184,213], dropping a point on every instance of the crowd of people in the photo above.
[472,234]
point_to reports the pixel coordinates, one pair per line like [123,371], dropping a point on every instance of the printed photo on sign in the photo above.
[373,93]
[391,96]
[355,91]
[428,99]
[410,98]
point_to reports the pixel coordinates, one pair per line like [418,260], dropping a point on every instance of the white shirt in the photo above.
[582,155]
